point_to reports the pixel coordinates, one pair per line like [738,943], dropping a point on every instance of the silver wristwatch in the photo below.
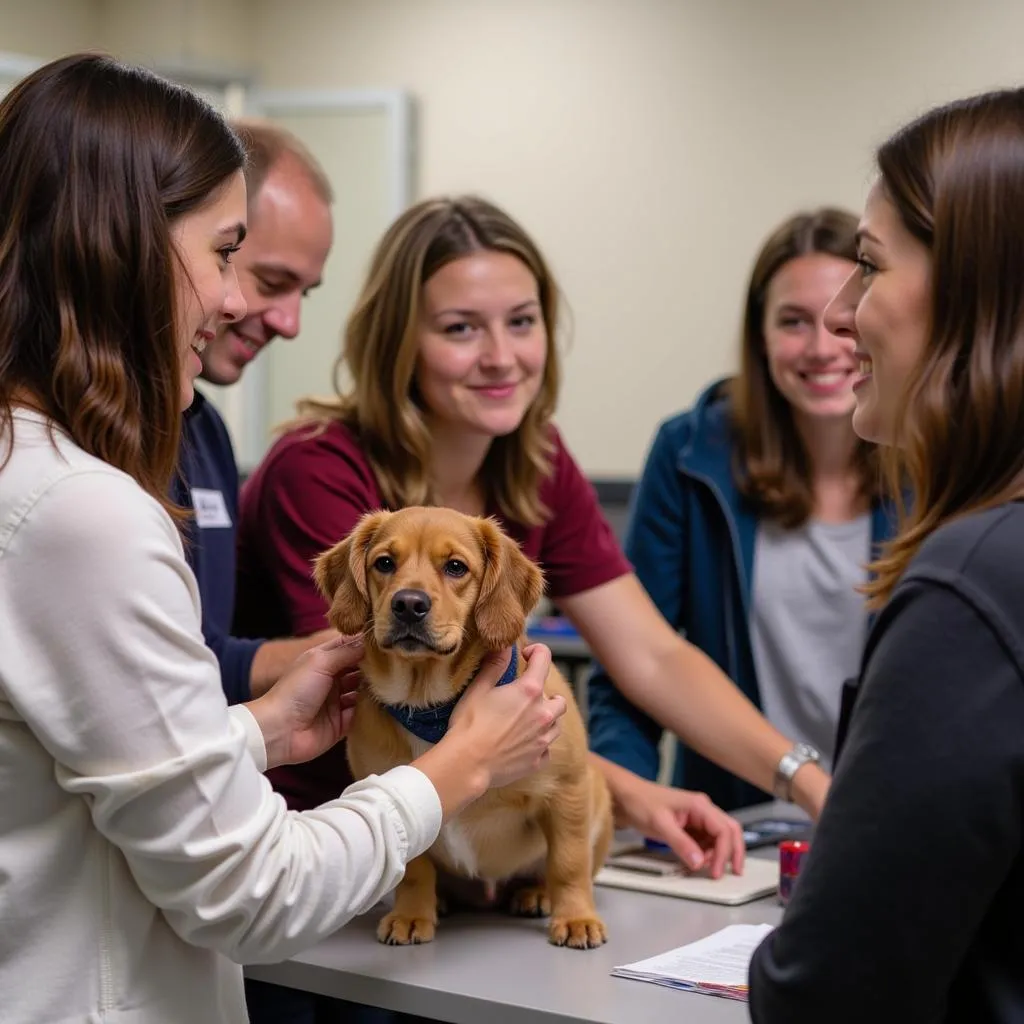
[789,763]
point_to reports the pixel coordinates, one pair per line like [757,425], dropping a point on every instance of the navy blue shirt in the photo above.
[208,485]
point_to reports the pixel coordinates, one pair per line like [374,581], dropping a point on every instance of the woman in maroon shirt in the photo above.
[451,351]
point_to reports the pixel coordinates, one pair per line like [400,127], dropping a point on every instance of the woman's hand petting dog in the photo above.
[700,834]
[309,709]
[498,734]
[513,726]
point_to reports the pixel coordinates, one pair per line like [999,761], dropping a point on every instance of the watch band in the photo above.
[789,764]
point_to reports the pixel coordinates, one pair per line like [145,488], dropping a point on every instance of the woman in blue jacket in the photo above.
[755,516]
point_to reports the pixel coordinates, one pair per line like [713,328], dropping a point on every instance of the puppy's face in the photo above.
[429,584]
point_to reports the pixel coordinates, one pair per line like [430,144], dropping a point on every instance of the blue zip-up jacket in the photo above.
[207,483]
[691,541]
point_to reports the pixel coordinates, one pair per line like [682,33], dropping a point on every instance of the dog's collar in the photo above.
[430,724]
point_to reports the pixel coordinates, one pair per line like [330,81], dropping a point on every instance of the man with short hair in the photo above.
[281,260]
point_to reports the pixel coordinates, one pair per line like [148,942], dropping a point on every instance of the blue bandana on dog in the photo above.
[430,724]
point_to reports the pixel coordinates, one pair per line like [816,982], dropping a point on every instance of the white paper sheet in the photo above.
[717,965]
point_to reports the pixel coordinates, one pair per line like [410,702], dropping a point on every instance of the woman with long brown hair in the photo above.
[141,849]
[908,906]
[445,393]
[756,515]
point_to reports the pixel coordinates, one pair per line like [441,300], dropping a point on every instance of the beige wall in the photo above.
[648,144]
[48,28]
[208,34]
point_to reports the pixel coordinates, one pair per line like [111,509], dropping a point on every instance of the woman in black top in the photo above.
[910,907]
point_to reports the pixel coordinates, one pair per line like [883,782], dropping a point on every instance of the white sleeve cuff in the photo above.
[416,805]
[254,742]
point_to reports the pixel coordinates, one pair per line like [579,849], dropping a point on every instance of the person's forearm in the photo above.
[618,779]
[275,726]
[457,773]
[710,714]
[274,657]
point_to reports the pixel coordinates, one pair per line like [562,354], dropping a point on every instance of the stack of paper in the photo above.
[715,966]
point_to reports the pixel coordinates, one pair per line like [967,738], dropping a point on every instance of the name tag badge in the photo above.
[211,509]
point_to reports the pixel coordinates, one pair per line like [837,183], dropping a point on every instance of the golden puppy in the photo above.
[434,591]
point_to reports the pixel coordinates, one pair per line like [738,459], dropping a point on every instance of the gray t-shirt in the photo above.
[808,623]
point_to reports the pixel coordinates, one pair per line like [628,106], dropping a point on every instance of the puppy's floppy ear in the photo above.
[510,588]
[340,575]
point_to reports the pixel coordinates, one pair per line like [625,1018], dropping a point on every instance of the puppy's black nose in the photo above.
[410,606]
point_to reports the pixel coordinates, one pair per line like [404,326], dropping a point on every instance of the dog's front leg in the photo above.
[414,918]
[569,882]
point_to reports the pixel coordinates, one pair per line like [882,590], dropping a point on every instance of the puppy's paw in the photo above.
[396,930]
[530,901]
[577,932]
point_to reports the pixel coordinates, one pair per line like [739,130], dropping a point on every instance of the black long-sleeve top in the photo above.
[910,905]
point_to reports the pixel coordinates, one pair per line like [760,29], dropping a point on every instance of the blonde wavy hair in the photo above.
[381,344]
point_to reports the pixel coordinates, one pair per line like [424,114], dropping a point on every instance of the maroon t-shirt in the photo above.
[308,494]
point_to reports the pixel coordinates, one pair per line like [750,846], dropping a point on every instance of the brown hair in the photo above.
[265,144]
[381,345]
[956,179]
[99,159]
[770,463]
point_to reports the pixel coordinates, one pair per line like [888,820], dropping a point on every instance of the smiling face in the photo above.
[289,238]
[884,310]
[482,344]
[207,287]
[812,367]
